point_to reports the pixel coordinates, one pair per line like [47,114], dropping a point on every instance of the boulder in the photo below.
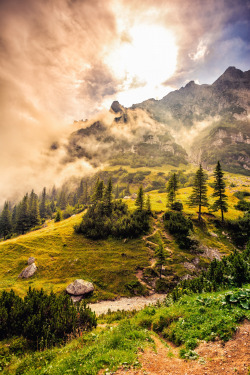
[28,271]
[31,260]
[80,287]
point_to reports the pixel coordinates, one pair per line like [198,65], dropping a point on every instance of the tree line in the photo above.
[198,197]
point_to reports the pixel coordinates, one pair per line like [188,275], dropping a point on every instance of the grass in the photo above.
[62,256]
[185,323]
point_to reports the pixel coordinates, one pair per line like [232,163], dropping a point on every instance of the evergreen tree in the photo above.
[80,191]
[107,197]
[98,191]
[58,216]
[172,188]
[161,258]
[140,199]
[199,193]
[219,192]
[34,210]
[23,216]
[5,221]
[43,212]
[52,206]
[14,218]
[148,205]
[62,201]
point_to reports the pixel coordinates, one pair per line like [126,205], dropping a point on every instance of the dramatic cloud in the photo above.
[62,60]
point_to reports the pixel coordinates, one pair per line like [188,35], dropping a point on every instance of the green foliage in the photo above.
[172,188]
[239,229]
[139,203]
[5,221]
[219,191]
[179,226]
[119,223]
[42,319]
[242,205]
[177,206]
[58,216]
[241,194]
[105,218]
[199,191]
[233,271]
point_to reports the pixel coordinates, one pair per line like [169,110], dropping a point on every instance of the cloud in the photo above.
[53,70]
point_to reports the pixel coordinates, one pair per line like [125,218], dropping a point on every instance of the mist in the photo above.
[53,71]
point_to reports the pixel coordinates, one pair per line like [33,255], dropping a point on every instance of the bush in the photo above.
[42,319]
[179,226]
[120,223]
[242,205]
[239,229]
[177,206]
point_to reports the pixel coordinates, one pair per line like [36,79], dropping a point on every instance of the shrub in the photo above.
[179,226]
[42,319]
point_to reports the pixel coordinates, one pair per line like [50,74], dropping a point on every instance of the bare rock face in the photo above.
[31,260]
[28,271]
[79,288]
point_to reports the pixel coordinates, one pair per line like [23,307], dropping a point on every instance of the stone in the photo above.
[80,287]
[28,271]
[31,260]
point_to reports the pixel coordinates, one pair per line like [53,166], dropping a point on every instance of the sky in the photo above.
[65,60]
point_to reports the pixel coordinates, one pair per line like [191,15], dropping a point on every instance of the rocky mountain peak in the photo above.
[232,76]
[116,107]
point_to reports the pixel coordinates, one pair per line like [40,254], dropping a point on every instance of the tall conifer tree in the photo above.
[5,221]
[219,191]
[172,188]
[43,212]
[199,193]
[107,196]
[140,199]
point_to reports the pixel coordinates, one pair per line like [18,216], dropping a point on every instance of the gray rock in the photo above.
[28,271]
[76,298]
[31,260]
[79,287]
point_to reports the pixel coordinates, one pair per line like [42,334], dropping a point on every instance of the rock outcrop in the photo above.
[28,271]
[79,288]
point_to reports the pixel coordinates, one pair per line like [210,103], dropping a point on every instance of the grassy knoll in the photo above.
[62,256]
[186,322]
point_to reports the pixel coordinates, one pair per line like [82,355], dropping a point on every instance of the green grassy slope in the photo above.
[62,256]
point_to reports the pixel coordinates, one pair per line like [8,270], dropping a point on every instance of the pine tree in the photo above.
[98,191]
[172,188]
[34,210]
[219,192]
[140,199]
[5,221]
[23,216]
[43,212]
[62,201]
[80,191]
[161,258]
[107,197]
[199,193]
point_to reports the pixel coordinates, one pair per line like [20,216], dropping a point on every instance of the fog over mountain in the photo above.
[65,60]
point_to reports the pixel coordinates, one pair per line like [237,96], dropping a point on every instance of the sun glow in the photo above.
[143,61]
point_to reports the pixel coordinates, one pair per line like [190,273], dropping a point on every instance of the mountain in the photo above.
[214,115]
[198,123]
[126,136]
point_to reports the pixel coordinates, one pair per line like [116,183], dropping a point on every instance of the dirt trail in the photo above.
[215,358]
[133,303]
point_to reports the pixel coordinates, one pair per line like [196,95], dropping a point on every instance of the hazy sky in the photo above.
[62,60]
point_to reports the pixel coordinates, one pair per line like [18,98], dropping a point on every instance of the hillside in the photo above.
[116,267]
